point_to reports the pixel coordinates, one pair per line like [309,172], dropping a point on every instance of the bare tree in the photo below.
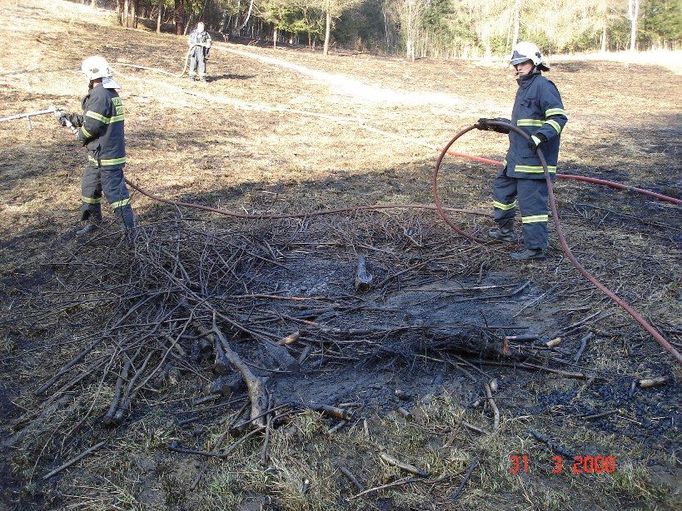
[633,15]
[409,15]
[332,9]
[179,16]
[159,16]
[516,22]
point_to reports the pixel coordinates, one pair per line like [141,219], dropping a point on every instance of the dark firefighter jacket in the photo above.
[537,109]
[101,127]
[203,39]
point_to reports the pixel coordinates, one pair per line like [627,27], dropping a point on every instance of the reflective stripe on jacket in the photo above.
[102,127]
[537,109]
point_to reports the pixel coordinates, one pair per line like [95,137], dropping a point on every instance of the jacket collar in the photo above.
[525,80]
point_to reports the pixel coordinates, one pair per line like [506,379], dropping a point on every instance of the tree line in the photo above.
[423,28]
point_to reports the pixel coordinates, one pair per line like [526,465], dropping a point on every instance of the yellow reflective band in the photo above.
[504,162]
[86,132]
[554,125]
[529,122]
[112,161]
[505,207]
[96,116]
[555,111]
[118,105]
[90,200]
[534,219]
[120,203]
[534,169]
[102,119]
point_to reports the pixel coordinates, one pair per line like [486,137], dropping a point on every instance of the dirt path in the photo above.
[353,88]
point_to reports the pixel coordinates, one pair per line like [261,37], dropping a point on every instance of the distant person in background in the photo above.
[538,110]
[199,46]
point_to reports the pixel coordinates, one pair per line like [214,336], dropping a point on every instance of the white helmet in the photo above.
[525,51]
[200,26]
[96,67]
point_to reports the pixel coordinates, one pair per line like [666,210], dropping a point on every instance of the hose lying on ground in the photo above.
[308,214]
[584,179]
[560,234]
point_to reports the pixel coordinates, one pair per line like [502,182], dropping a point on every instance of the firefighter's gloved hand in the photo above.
[484,124]
[535,141]
[63,119]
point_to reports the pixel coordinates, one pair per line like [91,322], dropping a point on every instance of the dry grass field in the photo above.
[407,365]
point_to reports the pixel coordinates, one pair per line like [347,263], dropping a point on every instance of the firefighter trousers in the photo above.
[530,196]
[197,62]
[108,179]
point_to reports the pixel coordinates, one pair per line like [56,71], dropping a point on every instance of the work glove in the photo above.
[535,141]
[63,119]
[483,124]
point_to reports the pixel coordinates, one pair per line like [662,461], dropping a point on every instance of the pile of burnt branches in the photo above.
[235,307]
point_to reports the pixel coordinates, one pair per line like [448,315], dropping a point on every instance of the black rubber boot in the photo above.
[503,232]
[125,216]
[529,253]
[88,229]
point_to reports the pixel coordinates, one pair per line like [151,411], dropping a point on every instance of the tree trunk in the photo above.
[179,17]
[134,13]
[119,12]
[327,32]
[386,28]
[158,18]
[246,20]
[633,13]
[603,44]
[274,37]
[126,8]
[517,18]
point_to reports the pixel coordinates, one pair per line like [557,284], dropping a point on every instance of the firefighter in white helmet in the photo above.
[101,131]
[538,111]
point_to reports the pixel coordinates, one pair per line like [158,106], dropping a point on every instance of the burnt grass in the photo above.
[407,358]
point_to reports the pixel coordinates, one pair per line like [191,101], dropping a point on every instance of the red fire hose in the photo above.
[560,234]
[584,179]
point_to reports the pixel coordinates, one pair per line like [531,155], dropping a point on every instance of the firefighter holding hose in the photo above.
[101,132]
[537,110]
[199,46]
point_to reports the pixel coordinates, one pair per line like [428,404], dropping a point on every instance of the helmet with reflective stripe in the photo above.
[525,51]
[96,67]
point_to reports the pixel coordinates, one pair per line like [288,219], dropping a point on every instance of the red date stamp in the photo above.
[586,464]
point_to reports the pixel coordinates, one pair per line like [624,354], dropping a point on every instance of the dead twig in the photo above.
[73,460]
[491,401]
[467,475]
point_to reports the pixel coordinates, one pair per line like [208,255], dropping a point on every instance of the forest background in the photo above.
[422,28]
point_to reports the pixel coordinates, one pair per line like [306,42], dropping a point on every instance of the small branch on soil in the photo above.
[491,401]
[400,482]
[467,475]
[349,475]
[76,459]
[403,466]
[259,401]
[653,382]
[554,447]
[174,446]
[583,345]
